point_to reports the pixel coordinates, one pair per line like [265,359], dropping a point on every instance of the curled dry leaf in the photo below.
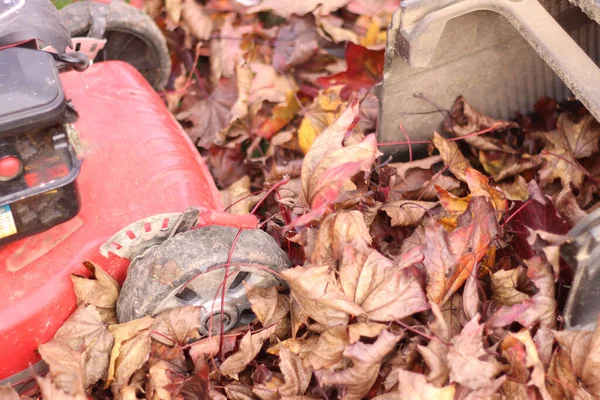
[328,349]
[579,138]
[435,354]
[51,391]
[122,333]
[465,120]
[337,232]
[85,332]
[450,258]
[226,51]
[501,165]
[177,326]
[237,198]
[295,44]
[296,375]
[100,289]
[407,212]
[66,368]
[250,345]
[133,354]
[505,284]
[8,393]
[516,190]
[538,308]
[583,350]
[167,371]
[470,365]
[322,112]
[317,292]
[563,383]
[268,305]
[413,386]
[567,206]
[452,156]
[366,361]
[196,19]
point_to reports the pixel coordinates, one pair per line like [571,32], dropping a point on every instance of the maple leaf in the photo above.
[435,354]
[268,305]
[464,120]
[580,138]
[366,361]
[133,354]
[323,111]
[299,7]
[407,212]
[539,307]
[250,345]
[563,382]
[237,198]
[515,190]
[417,181]
[451,257]
[297,376]
[180,325]
[337,232]
[315,289]
[281,115]
[364,70]
[470,365]
[583,350]
[295,44]
[167,371]
[66,368]
[226,51]
[196,19]
[329,161]
[568,207]
[85,331]
[331,27]
[452,156]
[269,84]
[502,165]
[413,386]
[505,284]
[100,289]
[384,290]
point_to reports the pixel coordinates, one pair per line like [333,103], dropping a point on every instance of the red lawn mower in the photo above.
[94,150]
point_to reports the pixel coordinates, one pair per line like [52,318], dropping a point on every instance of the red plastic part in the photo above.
[9,167]
[137,162]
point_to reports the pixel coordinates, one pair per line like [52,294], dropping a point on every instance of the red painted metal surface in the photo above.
[137,162]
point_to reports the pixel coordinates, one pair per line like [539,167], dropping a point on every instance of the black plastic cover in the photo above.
[23,20]
[31,94]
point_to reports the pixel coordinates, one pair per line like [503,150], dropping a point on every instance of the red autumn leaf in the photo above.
[364,69]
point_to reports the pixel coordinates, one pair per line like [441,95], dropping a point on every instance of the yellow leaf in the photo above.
[324,110]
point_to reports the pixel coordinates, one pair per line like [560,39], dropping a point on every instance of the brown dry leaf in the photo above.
[450,258]
[167,371]
[196,19]
[537,376]
[268,305]
[85,331]
[122,333]
[299,7]
[322,112]
[250,345]
[464,120]
[583,349]
[452,156]
[331,28]
[100,289]
[501,165]
[416,180]
[385,291]
[470,365]
[560,164]
[296,43]
[66,368]
[567,206]
[407,212]
[540,307]
[237,391]
[178,324]
[8,393]
[131,392]
[226,51]
[516,190]
[504,286]
[337,232]
[329,348]
[50,391]
[436,352]
[413,386]
[357,380]
[470,298]
[297,376]
[562,381]
[549,244]
[133,354]
[269,85]
[581,138]
[316,290]
[328,154]
[237,198]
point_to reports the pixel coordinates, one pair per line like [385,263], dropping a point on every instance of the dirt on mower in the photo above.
[433,278]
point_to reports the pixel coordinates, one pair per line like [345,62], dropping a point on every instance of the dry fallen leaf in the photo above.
[470,364]
[85,332]
[268,305]
[298,7]
[532,360]
[453,158]
[177,326]
[134,353]
[100,289]
[407,212]
[366,361]
[297,376]
[250,345]
[413,386]
[8,393]
[504,286]
[66,368]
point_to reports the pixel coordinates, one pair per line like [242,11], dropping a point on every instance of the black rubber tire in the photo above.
[123,18]
[191,252]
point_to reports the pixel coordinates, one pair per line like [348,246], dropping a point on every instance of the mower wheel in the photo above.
[132,36]
[190,269]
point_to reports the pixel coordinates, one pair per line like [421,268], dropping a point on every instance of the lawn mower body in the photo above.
[502,55]
[137,162]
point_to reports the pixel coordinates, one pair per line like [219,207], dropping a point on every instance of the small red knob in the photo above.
[10,168]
